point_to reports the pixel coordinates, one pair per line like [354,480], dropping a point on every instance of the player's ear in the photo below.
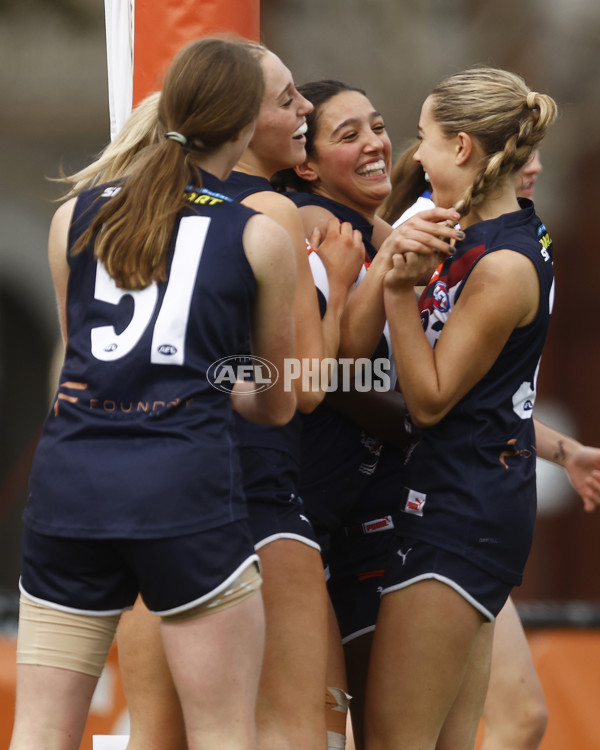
[464,148]
[307,171]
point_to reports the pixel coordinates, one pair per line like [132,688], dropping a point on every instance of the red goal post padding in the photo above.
[163,27]
[142,37]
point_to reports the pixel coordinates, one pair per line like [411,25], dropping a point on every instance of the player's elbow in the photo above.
[282,410]
[308,400]
[426,415]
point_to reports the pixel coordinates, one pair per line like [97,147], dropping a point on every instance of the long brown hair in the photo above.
[212,91]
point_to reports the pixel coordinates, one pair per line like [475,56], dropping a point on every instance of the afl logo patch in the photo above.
[167,350]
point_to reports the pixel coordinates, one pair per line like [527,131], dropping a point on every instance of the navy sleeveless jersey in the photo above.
[470,482]
[251,435]
[138,443]
[333,447]
[341,212]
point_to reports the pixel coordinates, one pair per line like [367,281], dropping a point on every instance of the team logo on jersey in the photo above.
[441,298]
[512,451]
[69,398]
[415,502]
[257,372]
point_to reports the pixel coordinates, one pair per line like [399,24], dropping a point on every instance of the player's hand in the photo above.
[425,233]
[407,270]
[341,250]
[583,470]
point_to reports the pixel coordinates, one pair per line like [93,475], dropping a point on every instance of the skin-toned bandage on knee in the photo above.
[247,583]
[337,702]
[52,638]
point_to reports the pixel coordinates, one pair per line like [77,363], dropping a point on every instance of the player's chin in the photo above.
[299,149]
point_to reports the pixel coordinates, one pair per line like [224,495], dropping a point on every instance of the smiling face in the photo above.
[528,175]
[279,141]
[352,153]
[437,154]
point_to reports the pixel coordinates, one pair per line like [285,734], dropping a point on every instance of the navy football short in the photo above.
[410,561]
[356,569]
[271,486]
[104,576]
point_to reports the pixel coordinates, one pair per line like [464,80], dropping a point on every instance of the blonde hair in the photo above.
[212,91]
[142,128]
[507,119]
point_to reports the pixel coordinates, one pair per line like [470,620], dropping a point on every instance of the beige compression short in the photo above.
[70,640]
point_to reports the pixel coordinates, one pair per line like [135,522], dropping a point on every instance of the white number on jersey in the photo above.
[168,338]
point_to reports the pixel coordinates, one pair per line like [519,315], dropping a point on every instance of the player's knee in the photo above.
[522,729]
[534,723]
[337,702]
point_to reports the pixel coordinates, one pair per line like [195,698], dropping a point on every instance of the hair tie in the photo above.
[173,135]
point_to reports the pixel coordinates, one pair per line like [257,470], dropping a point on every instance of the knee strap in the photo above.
[337,702]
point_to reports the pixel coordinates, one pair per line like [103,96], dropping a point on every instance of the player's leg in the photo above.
[357,653]
[60,656]
[460,728]
[156,719]
[189,584]
[357,558]
[51,708]
[421,648]
[215,659]
[73,591]
[337,699]
[515,713]
[290,707]
[290,711]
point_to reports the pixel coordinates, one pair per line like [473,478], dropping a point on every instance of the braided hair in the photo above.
[507,119]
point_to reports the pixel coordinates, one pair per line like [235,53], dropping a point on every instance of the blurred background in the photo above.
[53,75]
[55,114]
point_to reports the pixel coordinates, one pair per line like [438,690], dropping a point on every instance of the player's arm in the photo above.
[364,316]
[314,339]
[581,462]
[381,414]
[341,249]
[57,259]
[308,334]
[501,294]
[271,255]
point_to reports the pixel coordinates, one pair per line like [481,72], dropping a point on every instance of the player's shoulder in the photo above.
[269,202]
